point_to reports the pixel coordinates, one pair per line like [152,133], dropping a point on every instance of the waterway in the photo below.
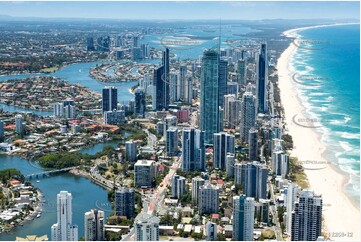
[86,195]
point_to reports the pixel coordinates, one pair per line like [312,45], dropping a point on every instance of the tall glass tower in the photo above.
[209,102]
[262,81]
[109,99]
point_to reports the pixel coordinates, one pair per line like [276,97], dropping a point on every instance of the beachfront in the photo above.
[341,215]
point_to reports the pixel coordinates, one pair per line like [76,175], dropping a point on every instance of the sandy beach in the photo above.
[342,218]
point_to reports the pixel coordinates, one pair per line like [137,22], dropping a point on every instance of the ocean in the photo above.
[326,70]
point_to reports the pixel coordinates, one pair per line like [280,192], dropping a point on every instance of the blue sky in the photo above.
[183,10]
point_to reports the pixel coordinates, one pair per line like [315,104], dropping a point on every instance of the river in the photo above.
[86,195]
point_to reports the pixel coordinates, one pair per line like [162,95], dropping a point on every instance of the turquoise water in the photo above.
[197,37]
[334,63]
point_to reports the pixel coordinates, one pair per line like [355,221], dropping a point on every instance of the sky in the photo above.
[183,10]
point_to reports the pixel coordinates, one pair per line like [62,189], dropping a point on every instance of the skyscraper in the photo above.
[64,229]
[193,150]
[232,108]
[90,44]
[241,72]
[140,102]
[58,110]
[172,141]
[182,81]
[144,172]
[146,227]
[222,81]
[211,231]
[1,130]
[94,225]
[178,186]
[196,183]
[209,101]
[230,164]
[248,114]
[161,83]
[131,151]
[307,217]
[253,178]
[262,81]
[243,218]
[124,202]
[223,143]
[208,200]
[19,124]
[280,163]
[253,144]
[109,98]
[291,195]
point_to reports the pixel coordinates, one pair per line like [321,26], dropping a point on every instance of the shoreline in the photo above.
[329,180]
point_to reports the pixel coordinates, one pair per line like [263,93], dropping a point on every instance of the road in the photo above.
[151,139]
[273,210]
[152,202]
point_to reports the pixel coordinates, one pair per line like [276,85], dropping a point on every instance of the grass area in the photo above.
[268,234]
[297,174]
[49,70]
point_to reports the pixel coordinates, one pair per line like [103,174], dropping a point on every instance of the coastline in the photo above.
[340,213]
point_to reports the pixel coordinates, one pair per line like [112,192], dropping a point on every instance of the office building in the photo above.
[248,114]
[178,186]
[64,229]
[232,108]
[230,165]
[94,225]
[90,44]
[193,150]
[114,117]
[242,72]
[263,211]
[291,195]
[2,133]
[222,81]
[307,217]
[140,103]
[253,178]
[161,83]
[19,129]
[172,141]
[144,172]
[146,227]
[109,99]
[131,151]
[174,87]
[124,202]
[136,54]
[197,182]
[262,81]
[280,163]
[69,110]
[243,218]
[253,144]
[58,109]
[209,100]
[211,231]
[223,143]
[182,82]
[232,88]
[208,200]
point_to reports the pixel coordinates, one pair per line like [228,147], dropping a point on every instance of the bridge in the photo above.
[49,172]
